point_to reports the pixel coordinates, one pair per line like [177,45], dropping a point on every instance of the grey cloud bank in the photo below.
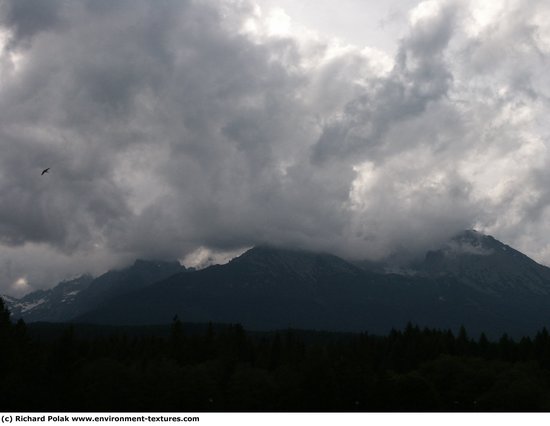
[172,127]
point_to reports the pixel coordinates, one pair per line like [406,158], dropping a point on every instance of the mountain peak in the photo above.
[264,251]
[483,262]
[295,261]
[470,235]
[469,242]
[141,263]
[476,240]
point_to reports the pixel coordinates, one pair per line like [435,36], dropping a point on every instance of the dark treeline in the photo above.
[228,369]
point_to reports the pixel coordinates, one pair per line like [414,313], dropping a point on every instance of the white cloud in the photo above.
[424,12]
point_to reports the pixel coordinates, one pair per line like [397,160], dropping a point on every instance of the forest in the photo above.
[182,368]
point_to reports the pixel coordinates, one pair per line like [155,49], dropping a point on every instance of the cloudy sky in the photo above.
[195,128]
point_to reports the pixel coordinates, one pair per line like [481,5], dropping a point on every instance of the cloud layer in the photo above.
[175,127]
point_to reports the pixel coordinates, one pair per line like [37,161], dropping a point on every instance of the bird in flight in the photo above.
[44,171]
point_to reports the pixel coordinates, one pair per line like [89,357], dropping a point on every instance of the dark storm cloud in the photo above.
[110,84]
[174,125]
[26,18]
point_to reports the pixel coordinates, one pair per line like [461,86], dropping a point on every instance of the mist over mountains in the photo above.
[473,280]
[174,127]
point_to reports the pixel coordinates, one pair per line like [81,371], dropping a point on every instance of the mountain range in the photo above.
[71,298]
[473,280]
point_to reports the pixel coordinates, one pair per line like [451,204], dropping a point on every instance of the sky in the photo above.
[191,130]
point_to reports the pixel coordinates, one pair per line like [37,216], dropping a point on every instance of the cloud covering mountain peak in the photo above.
[174,126]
